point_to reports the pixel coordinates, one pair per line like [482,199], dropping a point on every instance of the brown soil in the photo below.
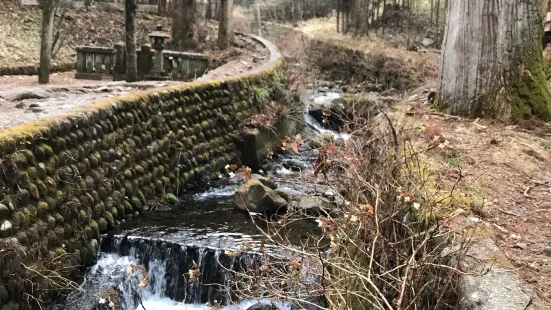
[500,172]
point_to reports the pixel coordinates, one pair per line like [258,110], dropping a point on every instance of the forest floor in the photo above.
[499,173]
[20,32]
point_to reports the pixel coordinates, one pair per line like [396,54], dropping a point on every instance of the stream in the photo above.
[201,233]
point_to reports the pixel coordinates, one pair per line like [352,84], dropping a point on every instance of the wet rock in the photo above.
[283,195]
[547,250]
[34,105]
[4,211]
[31,94]
[172,199]
[294,165]
[320,140]
[270,166]
[10,306]
[37,110]
[315,205]
[3,293]
[263,307]
[265,181]
[254,196]
[5,227]
[20,105]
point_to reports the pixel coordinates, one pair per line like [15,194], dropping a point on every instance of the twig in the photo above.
[510,213]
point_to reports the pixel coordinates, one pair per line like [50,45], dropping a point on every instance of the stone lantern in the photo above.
[158,42]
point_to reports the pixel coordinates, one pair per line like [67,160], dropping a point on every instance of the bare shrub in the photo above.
[385,249]
[32,281]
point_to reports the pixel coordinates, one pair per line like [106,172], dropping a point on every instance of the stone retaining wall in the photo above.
[65,180]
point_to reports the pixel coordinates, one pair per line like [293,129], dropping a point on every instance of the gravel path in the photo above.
[23,100]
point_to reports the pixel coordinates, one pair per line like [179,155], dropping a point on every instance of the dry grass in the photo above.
[20,32]
[324,29]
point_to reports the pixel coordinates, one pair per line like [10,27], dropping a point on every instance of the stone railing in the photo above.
[185,66]
[102,5]
[97,63]
[67,179]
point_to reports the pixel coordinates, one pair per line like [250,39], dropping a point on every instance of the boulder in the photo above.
[265,181]
[315,205]
[36,93]
[427,42]
[260,306]
[4,211]
[254,196]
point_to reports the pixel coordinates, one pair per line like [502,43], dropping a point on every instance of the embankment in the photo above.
[66,179]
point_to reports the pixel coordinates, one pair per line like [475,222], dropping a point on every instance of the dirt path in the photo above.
[22,99]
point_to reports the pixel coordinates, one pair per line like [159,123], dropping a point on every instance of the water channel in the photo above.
[199,233]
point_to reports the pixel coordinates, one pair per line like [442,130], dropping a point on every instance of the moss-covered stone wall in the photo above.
[65,180]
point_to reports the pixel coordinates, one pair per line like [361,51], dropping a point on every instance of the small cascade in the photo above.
[324,100]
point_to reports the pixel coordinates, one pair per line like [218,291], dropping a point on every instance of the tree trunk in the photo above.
[130,23]
[338,14]
[208,13]
[161,8]
[492,63]
[225,32]
[185,32]
[437,14]
[46,41]
[358,16]
[258,17]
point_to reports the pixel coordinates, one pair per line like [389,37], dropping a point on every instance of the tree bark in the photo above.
[161,8]
[130,24]
[46,41]
[225,32]
[208,13]
[492,63]
[185,32]
[258,17]
[338,14]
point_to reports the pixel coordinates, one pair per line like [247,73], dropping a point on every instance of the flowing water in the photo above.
[202,233]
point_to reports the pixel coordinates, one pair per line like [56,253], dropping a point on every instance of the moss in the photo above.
[41,170]
[530,94]
[102,225]
[51,165]
[109,218]
[172,199]
[42,209]
[136,203]
[51,222]
[51,202]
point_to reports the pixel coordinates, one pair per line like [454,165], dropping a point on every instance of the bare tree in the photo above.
[185,31]
[46,34]
[208,13]
[130,24]
[225,32]
[492,63]
[258,16]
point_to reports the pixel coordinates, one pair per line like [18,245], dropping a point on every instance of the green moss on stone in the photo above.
[102,224]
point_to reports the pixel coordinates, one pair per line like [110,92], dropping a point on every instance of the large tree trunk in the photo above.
[492,63]
[46,41]
[225,32]
[130,24]
[208,13]
[185,32]
[258,17]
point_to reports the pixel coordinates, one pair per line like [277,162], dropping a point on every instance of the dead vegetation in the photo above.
[386,250]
